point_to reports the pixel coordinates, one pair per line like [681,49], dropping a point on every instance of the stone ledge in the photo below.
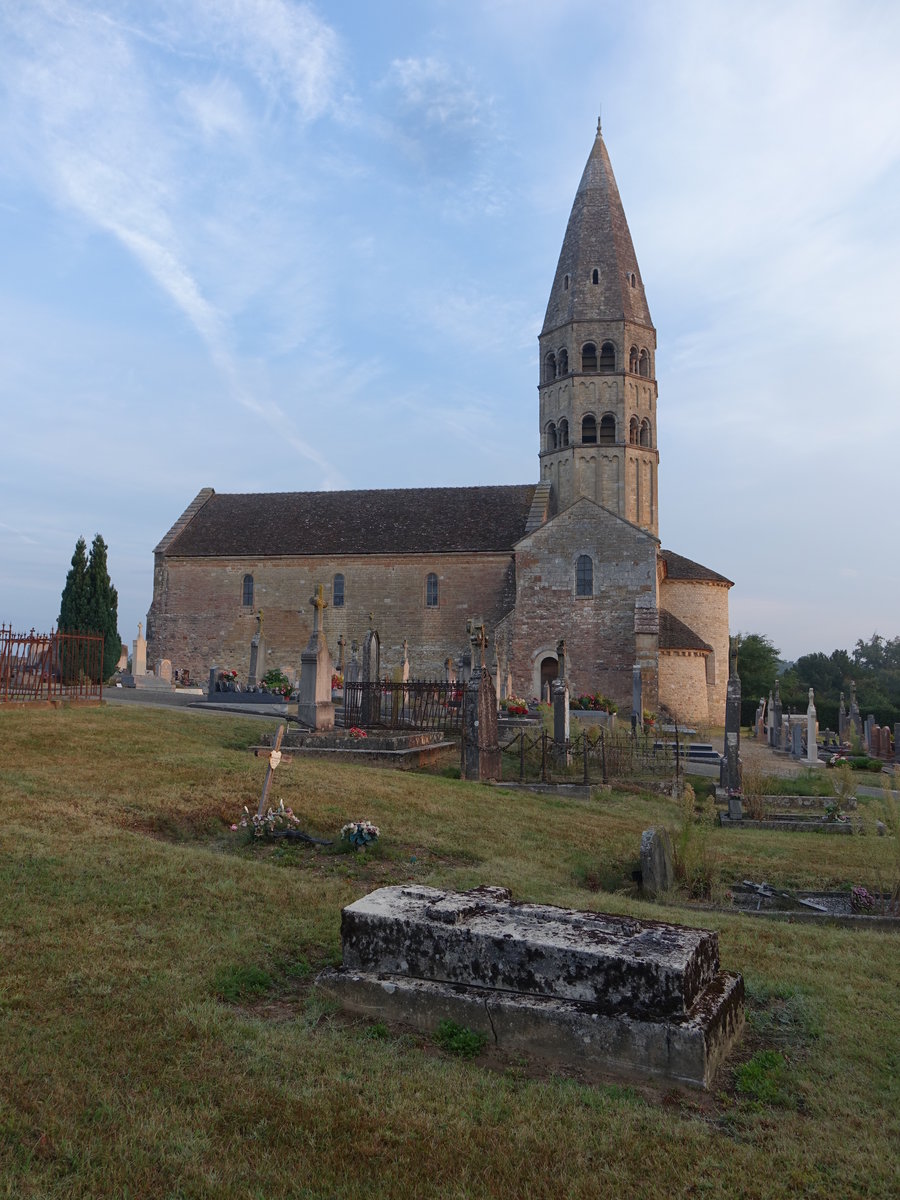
[570,1036]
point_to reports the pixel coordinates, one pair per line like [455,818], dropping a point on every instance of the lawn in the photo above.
[163,1036]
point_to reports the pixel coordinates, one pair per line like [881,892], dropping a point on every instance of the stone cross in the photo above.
[812,750]
[561,659]
[477,636]
[319,604]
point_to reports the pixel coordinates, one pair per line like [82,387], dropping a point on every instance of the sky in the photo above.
[266,245]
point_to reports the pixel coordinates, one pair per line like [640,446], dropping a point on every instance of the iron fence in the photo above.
[50,666]
[417,704]
[590,757]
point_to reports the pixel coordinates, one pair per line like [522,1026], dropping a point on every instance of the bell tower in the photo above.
[597,361]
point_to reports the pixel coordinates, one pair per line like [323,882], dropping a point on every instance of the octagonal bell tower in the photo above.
[597,361]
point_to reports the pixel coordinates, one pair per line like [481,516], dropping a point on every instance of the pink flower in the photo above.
[234,827]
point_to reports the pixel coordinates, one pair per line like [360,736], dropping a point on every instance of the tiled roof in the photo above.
[386,521]
[678,567]
[675,635]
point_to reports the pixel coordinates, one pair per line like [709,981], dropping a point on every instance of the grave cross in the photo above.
[477,636]
[274,760]
[319,604]
[341,644]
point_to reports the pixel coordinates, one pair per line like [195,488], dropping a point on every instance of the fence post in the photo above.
[544,756]
[522,756]
[584,754]
[604,773]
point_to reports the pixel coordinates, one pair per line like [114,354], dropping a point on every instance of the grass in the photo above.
[163,1038]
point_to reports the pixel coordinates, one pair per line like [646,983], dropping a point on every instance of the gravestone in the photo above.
[586,992]
[139,653]
[637,698]
[657,861]
[869,727]
[561,718]
[796,740]
[481,739]
[371,674]
[778,739]
[545,692]
[812,749]
[842,720]
[315,708]
[730,769]
[211,686]
[855,726]
[770,721]
[353,668]
[257,654]
[164,670]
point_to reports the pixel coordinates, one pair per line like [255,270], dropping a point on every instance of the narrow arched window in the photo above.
[589,430]
[607,430]
[589,357]
[565,283]
[607,357]
[633,279]
[584,576]
[337,591]
[563,360]
[595,276]
[645,433]
[431,590]
[550,367]
[633,431]
[551,436]
[633,360]
[645,364]
[247,600]
[563,432]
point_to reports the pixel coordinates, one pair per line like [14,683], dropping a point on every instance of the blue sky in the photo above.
[266,245]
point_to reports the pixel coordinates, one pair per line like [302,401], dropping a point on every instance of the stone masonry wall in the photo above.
[599,630]
[682,685]
[703,606]
[197,619]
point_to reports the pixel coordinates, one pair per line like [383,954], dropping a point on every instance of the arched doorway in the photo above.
[549,671]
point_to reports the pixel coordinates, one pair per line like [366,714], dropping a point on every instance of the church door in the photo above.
[549,671]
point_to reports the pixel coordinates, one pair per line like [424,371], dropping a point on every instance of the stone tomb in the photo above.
[587,992]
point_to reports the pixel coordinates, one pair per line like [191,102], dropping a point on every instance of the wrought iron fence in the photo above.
[590,757]
[50,666]
[416,704]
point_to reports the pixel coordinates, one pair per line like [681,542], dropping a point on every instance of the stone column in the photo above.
[139,653]
[561,717]
[812,750]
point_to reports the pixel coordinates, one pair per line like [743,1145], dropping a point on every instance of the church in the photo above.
[575,555]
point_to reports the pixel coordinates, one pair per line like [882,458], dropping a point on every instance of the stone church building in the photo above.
[575,555]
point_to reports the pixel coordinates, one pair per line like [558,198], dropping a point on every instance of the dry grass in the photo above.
[125,898]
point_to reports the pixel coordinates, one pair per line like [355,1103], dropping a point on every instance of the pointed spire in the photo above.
[597,239]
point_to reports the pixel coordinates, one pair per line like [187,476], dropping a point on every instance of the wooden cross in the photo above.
[274,760]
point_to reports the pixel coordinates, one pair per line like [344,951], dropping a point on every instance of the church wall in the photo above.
[703,606]
[599,630]
[197,621]
[682,685]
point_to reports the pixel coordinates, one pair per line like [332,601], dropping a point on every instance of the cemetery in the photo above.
[224,942]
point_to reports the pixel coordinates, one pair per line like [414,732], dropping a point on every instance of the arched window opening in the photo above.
[337,591]
[608,430]
[248,591]
[607,357]
[584,576]
[551,436]
[550,367]
[633,431]
[645,433]
[645,364]
[431,590]
[633,279]
[633,360]
[588,357]
[565,283]
[563,361]
[563,432]
[595,276]
[589,430]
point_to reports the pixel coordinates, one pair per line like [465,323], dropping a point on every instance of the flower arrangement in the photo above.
[276,682]
[862,900]
[274,819]
[356,732]
[649,718]
[337,681]
[360,834]
[516,707]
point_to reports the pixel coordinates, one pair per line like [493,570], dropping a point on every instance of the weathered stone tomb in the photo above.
[588,992]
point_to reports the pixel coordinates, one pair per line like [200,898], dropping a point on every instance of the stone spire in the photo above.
[597,361]
[597,237]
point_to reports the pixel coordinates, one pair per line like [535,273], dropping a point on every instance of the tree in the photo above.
[103,606]
[74,606]
[757,665]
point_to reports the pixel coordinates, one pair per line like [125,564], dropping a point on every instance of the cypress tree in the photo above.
[103,606]
[73,609]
